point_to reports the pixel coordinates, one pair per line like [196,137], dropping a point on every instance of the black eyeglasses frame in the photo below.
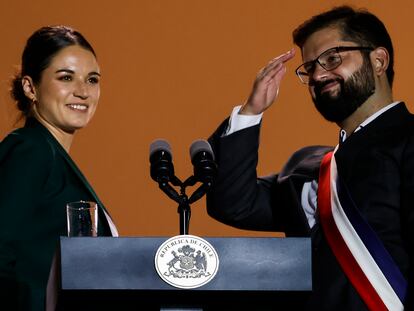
[337,49]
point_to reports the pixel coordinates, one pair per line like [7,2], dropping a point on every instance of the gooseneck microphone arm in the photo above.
[162,171]
[183,209]
[199,193]
[169,191]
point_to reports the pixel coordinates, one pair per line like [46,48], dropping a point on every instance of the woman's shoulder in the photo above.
[27,143]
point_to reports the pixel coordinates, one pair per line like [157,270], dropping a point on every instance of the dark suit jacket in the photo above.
[37,179]
[377,165]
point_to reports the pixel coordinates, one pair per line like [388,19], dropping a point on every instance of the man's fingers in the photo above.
[273,72]
[283,57]
[276,64]
[268,70]
[279,75]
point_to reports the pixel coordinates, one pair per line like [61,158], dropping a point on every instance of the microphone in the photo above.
[202,158]
[162,169]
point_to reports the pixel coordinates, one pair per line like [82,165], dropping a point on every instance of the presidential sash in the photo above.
[361,254]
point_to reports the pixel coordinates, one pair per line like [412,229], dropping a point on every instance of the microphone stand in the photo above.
[182,199]
[184,210]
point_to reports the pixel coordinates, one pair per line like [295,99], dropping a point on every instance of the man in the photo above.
[348,68]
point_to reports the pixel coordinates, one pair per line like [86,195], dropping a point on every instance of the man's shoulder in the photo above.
[305,161]
[308,155]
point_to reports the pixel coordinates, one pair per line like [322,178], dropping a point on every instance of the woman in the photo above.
[57,92]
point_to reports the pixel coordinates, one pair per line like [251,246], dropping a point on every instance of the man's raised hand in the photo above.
[267,83]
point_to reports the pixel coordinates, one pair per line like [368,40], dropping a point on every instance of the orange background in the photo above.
[174,69]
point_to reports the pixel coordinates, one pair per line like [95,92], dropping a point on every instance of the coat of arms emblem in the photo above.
[186,261]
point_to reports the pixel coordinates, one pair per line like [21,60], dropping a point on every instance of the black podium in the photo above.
[119,274]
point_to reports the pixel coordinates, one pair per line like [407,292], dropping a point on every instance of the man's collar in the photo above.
[343,134]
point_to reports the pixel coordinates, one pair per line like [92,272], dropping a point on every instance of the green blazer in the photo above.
[37,179]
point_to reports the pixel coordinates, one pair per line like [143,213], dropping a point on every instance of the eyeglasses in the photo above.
[328,60]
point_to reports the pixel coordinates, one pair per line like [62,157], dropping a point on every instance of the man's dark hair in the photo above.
[359,26]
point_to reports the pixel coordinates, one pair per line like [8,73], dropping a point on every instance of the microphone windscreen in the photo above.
[199,146]
[159,144]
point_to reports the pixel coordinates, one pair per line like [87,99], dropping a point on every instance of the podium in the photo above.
[105,273]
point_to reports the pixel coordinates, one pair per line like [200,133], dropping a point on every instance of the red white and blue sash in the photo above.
[356,246]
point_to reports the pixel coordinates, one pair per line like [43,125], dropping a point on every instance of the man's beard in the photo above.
[352,94]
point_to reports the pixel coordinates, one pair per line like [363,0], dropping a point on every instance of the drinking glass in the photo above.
[82,217]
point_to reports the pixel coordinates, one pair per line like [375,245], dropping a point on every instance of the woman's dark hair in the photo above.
[40,48]
[359,26]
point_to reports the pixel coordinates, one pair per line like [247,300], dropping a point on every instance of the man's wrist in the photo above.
[240,121]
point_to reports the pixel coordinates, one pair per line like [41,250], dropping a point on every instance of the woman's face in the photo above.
[69,89]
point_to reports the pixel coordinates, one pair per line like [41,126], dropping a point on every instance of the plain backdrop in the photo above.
[174,69]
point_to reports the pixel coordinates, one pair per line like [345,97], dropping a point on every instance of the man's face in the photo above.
[339,92]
